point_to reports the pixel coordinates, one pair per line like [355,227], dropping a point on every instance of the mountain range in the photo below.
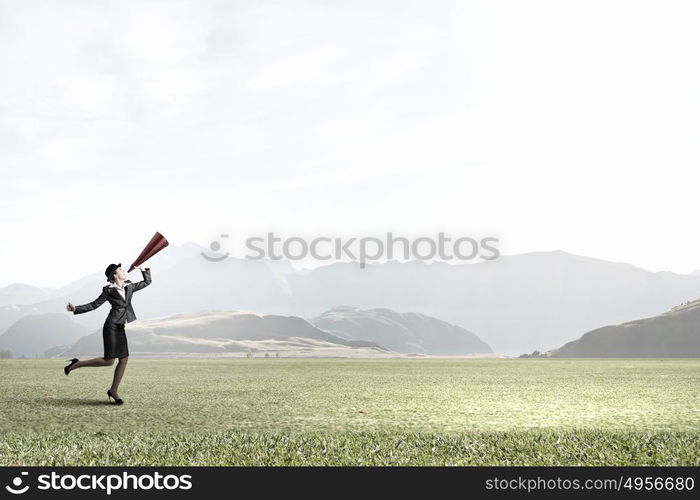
[514,304]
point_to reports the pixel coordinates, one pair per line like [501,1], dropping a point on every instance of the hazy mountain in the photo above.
[224,332]
[400,332]
[32,335]
[515,303]
[21,293]
[674,334]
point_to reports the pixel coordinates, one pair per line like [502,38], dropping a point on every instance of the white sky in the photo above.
[551,124]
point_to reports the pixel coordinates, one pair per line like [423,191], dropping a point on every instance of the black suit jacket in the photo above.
[122,311]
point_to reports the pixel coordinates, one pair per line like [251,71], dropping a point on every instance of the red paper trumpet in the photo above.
[157,243]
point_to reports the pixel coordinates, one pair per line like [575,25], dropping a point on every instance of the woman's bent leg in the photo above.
[93,362]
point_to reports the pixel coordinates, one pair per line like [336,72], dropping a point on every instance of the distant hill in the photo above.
[674,334]
[32,335]
[401,332]
[224,332]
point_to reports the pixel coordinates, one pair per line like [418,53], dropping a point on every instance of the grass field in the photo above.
[354,412]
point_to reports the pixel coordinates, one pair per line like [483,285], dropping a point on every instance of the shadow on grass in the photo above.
[78,402]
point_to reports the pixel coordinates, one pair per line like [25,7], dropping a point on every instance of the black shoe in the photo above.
[116,400]
[66,369]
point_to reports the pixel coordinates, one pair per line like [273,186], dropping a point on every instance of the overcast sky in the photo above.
[550,124]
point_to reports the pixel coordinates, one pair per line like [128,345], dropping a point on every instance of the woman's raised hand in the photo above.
[70,307]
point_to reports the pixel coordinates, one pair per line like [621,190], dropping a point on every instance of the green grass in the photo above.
[355,412]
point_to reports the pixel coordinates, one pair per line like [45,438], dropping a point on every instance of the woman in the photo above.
[118,293]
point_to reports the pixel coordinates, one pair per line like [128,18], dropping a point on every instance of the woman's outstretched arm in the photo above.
[146,279]
[83,308]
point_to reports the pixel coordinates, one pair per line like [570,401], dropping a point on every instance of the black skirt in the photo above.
[114,338]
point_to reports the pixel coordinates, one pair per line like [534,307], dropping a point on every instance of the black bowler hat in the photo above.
[110,270]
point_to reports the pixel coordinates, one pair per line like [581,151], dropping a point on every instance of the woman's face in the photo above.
[120,274]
